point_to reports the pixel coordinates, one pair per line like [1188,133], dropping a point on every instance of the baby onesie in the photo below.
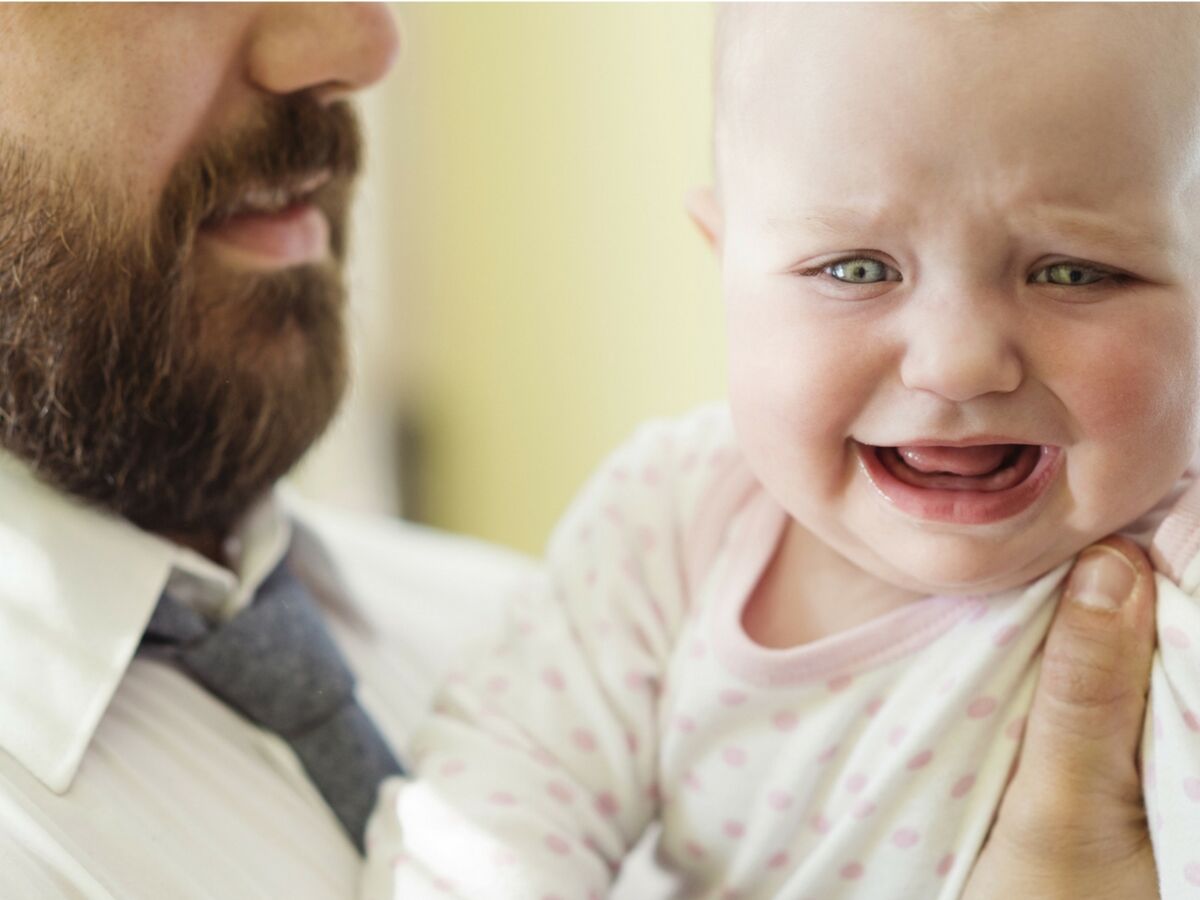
[869,764]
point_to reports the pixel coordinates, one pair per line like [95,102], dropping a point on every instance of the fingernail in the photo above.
[1102,579]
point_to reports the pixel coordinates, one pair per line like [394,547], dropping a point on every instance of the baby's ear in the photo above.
[703,209]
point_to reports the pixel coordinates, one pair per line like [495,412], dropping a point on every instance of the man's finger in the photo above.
[1086,720]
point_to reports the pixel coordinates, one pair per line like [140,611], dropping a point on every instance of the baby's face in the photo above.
[961,269]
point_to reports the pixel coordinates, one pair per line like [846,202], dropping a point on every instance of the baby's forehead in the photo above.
[1075,90]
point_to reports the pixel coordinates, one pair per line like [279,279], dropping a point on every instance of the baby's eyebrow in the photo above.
[1047,222]
[1094,229]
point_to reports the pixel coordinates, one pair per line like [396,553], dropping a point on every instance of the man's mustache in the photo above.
[295,143]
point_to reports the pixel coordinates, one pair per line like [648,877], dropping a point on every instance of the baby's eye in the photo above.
[860,271]
[1070,274]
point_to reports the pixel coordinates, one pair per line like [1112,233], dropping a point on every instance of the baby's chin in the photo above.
[971,573]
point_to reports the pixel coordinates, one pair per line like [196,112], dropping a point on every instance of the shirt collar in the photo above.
[77,587]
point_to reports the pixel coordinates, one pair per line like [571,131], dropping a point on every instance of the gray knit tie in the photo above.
[275,663]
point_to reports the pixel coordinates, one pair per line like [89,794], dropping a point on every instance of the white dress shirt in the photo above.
[119,776]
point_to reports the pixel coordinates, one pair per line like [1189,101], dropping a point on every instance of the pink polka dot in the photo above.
[698,650]
[863,810]
[557,845]
[692,782]
[583,739]
[873,707]
[981,707]
[590,578]
[560,792]
[945,865]
[620,473]
[650,475]
[1192,873]
[733,829]
[613,514]
[734,756]
[1190,719]
[732,697]
[1191,787]
[553,679]
[694,850]
[897,735]
[686,724]
[921,760]
[851,871]
[905,838]
[1005,635]
[653,793]
[819,824]
[503,798]
[1015,728]
[780,800]
[631,742]
[545,757]
[1176,637]
[607,805]
[856,782]
[785,720]
[635,681]
[779,860]
[962,786]
[452,767]
[828,753]
[840,683]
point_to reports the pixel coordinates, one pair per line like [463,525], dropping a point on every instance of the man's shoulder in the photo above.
[395,574]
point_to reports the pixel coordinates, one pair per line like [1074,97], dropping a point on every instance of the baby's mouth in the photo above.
[983,467]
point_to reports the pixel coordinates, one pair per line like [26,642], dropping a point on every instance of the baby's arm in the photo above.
[537,773]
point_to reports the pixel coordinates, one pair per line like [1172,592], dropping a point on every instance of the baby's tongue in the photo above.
[955,460]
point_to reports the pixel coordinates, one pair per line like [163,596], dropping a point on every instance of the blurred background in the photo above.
[526,286]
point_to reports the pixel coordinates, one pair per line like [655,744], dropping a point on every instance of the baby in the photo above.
[959,248]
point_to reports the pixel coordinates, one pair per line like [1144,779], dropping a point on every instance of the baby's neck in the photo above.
[809,591]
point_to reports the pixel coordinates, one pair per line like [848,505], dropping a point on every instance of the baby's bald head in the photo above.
[768,52]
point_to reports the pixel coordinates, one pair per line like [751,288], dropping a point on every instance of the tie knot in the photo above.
[274,661]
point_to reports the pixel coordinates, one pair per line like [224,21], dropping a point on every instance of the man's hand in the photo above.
[1072,825]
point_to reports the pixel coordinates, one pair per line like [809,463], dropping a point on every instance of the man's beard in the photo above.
[149,379]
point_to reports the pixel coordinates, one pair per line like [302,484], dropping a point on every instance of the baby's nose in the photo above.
[961,350]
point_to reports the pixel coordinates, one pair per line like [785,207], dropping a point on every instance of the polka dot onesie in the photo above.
[868,764]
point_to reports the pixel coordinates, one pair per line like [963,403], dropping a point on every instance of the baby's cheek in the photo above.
[1130,384]
[1133,402]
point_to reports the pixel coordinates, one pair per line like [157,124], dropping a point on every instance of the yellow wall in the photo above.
[550,292]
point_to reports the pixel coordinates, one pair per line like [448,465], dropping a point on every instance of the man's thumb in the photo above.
[1086,721]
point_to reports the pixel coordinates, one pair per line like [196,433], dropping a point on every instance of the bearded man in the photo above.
[201,686]
[174,718]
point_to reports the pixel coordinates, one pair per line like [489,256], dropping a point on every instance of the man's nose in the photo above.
[328,49]
[962,348]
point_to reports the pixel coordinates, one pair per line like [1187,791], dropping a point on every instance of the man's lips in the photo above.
[293,236]
[272,226]
[966,482]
